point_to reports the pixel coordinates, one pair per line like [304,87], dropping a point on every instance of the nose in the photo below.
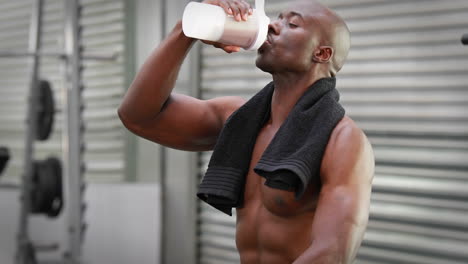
[274,27]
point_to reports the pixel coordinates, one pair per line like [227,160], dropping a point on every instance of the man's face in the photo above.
[292,39]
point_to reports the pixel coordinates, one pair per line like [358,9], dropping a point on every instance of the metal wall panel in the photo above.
[103,31]
[406,84]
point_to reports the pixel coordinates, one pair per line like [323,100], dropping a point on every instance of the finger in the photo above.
[231,49]
[226,7]
[214,44]
[236,12]
[218,45]
[245,10]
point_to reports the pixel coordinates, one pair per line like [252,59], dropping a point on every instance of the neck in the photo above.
[289,87]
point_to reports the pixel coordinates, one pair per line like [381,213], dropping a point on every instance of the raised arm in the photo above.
[343,208]
[151,111]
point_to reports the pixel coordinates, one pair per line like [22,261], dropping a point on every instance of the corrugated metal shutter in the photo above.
[103,23]
[406,85]
[104,81]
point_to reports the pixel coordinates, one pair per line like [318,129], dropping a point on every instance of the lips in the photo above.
[266,44]
[269,39]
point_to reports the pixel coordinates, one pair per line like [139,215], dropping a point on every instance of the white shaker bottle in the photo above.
[210,22]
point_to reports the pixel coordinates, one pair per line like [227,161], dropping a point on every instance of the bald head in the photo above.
[333,29]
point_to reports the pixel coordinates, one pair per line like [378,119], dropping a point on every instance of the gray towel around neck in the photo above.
[291,160]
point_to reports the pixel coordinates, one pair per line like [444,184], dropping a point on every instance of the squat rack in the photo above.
[74,166]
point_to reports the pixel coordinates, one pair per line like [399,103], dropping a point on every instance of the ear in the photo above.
[323,54]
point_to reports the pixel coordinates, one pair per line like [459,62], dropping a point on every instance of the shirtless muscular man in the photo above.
[307,42]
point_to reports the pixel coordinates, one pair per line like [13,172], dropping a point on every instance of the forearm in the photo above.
[156,79]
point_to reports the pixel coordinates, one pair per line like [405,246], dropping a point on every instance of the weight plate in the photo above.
[47,192]
[46,111]
[4,157]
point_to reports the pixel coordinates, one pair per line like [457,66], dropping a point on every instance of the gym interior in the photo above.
[77,187]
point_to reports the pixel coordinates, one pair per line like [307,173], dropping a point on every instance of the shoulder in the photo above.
[226,105]
[346,132]
[348,151]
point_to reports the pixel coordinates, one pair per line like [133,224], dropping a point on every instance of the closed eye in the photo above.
[293,25]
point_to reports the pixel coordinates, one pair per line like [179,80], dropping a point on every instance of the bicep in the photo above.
[342,213]
[188,123]
[343,208]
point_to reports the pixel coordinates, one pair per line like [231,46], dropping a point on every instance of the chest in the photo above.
[278,202]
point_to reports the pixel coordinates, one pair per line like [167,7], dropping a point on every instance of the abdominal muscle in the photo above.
[273,227]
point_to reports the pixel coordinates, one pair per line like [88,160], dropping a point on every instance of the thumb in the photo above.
[226,48]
